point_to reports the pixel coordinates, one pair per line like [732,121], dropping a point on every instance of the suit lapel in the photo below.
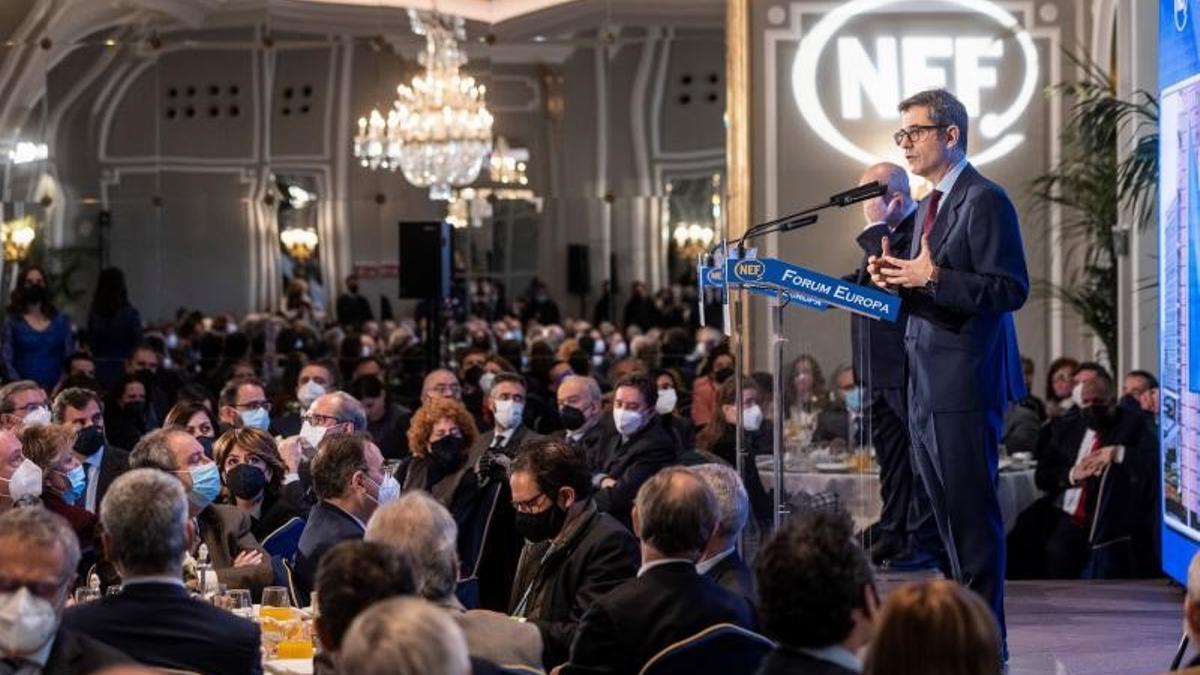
[947,217]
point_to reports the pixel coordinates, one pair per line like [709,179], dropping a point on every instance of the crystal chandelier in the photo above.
[439,130]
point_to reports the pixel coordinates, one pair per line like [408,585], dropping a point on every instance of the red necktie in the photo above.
[1080,515]
[931,212]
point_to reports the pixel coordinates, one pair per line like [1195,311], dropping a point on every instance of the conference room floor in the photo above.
[1092,627]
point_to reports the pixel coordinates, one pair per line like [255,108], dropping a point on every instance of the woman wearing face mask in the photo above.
[440,438]
[805,397]
[63,477]
[719,439]
[252,475]
[125,415]
[842,421]
[714,371]
[36,338]
[673,407]
[1059,385]
[199,421]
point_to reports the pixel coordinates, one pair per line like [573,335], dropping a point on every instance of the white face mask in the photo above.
[667,400]
[26,481]
[1077,394]
[26,622]
[312,434]
[508,414]
[389,490]
[256,419]
[752,418]
[486,381]
[627,421]
[38,417]
[309,392]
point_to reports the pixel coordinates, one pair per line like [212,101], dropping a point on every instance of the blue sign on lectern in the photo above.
[803,285]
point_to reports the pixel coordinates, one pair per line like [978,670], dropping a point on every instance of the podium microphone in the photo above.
[861,193]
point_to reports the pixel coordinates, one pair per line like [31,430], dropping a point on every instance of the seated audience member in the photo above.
[721,561]
[424,532]
[63,478]
[386,421]
[581,410]
[842,419]
[252,472]
[81,364]
[349,480]
[335,412]
[573,553]
[818,597]
[125,414]
[20,479]
[716,368]
[934,628]
[147,526]
[198,420]
[1094,532]
[1023,420]
[1140,391]
[673,406]
[440,383]
[674,517]
[640,447]
[804,398]
[442,431]
[23,403]
[102,462]
[244,403]
[351,577]
[719,440]
[505,401]
[38,558]
[315,379]
[405,636]
[235,555]
[1059,386]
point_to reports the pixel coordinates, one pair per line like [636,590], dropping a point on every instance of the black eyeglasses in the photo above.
[916,132]
[528,505]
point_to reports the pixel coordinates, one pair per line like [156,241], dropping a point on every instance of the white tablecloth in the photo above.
[859,492]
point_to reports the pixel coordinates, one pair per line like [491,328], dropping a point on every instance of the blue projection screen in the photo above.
[1179,280]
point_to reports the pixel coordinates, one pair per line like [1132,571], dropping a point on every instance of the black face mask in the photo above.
[35,294]
[353,288]
[246,481]
[723,374]
[537,527]
[206,442]
[1097,416]
[471,375]
[134,410]
[448,452]
[572,418]
[89,440]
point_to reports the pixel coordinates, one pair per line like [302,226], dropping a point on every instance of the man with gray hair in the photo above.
[225,530]
[581,409]
[424,531]
[38,557]
[721,561]
[23,402]
[404,636]
[674,515]
[147,531]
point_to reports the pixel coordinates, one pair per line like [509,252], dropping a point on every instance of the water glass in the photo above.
[85,595]
[239,602]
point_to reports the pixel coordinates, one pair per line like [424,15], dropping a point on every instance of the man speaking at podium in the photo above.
[962,279]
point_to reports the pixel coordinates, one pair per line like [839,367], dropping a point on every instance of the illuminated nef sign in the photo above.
[878,75]
[749,269]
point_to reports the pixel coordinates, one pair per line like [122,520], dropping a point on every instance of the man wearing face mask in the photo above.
[20,479]
[496,448]
[23,403]
[147,532]
[316,379]
[244,404]
[145,365]
[471,375]
[581,409]
[102,463]
[573,553]
[641,446]
[1099,468]
[235,555]
[843,419]
[38,557]
[349,480]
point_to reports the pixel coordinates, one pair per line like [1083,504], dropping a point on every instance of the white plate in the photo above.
[832,467]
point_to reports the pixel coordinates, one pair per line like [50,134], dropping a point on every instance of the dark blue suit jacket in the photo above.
[878,346]
[327,526]
[161,625]
[961,341]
